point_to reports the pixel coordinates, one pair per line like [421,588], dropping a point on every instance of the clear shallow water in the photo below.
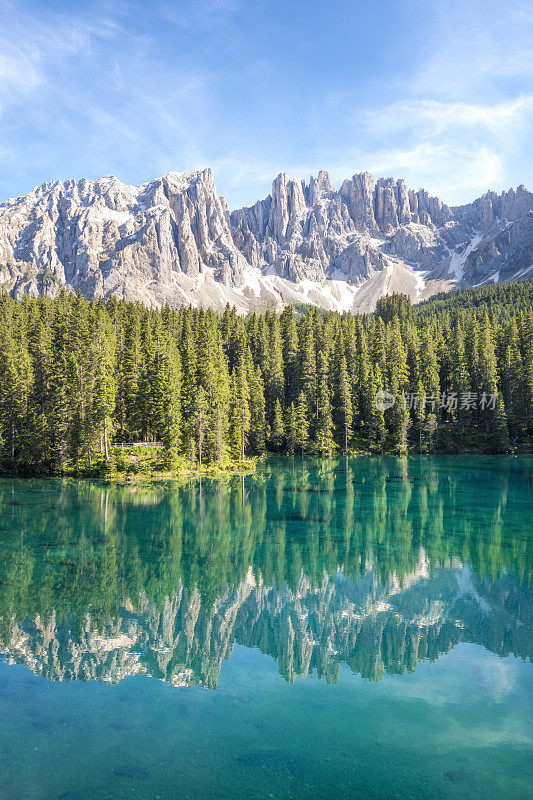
[360,629]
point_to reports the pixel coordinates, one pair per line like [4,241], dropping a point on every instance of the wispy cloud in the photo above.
[454,149]
[453,172]
[433,117]
[30,47]
[205,13]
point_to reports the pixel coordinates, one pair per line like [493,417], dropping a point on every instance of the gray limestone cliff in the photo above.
[173,240]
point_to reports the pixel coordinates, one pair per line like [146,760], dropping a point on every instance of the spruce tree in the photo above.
[277,431]
[105,386]
[512,380]
[128,409]
[324,427]
[290,355]
[344,415]
[499,433]
[15,383]
[275,388]
[308,362]
[362,380]
[240,400]
[257,410]
[398,414]
[167,399]
[59,406]
[377,431]
[77,376]
[302,422]
[291,429]
[200,422]
[460,381]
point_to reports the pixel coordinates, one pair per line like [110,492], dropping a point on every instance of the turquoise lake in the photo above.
[356,628]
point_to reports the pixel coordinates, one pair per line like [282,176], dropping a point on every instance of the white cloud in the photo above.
[454,149]
[455,173]
[30,48]
[17,70]
[433,117]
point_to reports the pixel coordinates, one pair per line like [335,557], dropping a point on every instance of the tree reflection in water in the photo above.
[373,562]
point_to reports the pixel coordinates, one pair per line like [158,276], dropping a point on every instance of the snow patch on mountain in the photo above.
[458,260]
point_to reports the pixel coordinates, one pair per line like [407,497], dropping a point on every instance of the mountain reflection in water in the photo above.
[375,563]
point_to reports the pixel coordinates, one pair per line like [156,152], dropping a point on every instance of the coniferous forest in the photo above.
[80,379]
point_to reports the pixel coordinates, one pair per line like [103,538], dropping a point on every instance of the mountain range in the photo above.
[173,240]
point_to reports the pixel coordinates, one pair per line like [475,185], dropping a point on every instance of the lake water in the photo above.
[358,628]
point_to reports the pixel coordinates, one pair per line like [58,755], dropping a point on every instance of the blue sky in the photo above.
[439,93]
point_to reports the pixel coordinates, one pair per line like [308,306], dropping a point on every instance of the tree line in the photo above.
[78,377]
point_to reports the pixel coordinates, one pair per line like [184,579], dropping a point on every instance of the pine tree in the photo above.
[526,339]
[15,382]
[275,388]
[399,417]
[308,362]
[240,401]
[200,421]
[105,387]
[166,401]
[212,377]
[302,422]
[460,381]
[344,414]
[189,380]
[145,394]
[401,424]
[379,355]
[430,386]
[324,428]
[362,381]
[377,431]
[419,414]
[129,368]
[499,433]
[59,406]
[277,432]
[77,376]
[512,381]
[487,376]
[219,438]
[81,353]
[429,368]
[240,415]
[257,410]
[290,355]
[37,455]
[291,429]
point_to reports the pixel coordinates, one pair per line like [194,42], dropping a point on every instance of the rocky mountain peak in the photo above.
[173,240]
[319,187]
